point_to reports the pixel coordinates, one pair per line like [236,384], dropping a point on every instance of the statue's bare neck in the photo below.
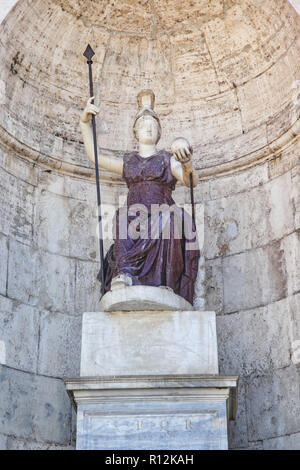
[146,150]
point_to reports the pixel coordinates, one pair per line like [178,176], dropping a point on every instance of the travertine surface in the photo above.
[148,343]
[226,76]
[165,422]
[153,412]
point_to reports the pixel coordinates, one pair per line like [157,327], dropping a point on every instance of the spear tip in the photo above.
[89,53]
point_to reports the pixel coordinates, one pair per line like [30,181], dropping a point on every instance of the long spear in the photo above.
[192,197]
[89,53]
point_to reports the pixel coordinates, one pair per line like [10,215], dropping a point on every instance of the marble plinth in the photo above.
[149,380]
[131,298]
[178,412]
[149,343]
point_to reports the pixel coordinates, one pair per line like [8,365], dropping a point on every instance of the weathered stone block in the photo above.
[41,278]
[273,405]
[280,81]
[87,286]
[14,443]
[56,282]
[293,306]
[201,81]
[285,162]
[177,11]
[165,424]
[255,341]
[153,412]
[296,193]
[19,330]
[69,188]
[258,445]
[66,226]
[231,39]
[291,248]
[280,206]
[228,125]
[291,442]
[238,183]
[254,278]
[228,150]
[148,343]
[282,121]
[40,408]
[3,264]
[64,331]
[3,442]
[250,219]
[23,268]
[228,221]
[214,290]
[199,286]
[27,444]
[22,170]
[16,207]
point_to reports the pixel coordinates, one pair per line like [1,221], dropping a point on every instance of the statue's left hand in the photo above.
[182,150]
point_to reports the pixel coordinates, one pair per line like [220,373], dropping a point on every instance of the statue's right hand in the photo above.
[89,111]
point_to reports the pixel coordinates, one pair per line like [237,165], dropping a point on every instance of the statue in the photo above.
[151,258]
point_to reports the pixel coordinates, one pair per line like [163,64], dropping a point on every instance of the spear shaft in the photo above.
[89,53]
[192,197]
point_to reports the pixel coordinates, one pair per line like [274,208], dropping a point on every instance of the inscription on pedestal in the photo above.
[204,429]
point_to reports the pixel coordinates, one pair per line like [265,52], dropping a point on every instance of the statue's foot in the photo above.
[120,281]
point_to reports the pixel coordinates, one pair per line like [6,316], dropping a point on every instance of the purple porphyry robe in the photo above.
[165,259]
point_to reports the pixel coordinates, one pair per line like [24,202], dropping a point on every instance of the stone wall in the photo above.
[46,283]
[252,247]
[226,76]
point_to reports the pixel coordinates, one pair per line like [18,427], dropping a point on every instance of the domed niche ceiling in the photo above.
[225,74]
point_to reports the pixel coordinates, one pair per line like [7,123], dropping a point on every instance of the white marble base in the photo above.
[132,298]
[179,412]
[149,343]
[149,381]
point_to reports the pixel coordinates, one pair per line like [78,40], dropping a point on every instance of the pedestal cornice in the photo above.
[202,387]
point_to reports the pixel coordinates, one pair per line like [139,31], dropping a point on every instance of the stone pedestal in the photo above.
[137,298]
[148,343]
[149,380]
[162,412]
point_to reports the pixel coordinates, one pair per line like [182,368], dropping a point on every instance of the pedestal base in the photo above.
[149,381]
[163,412]
[149,343]
[132,298]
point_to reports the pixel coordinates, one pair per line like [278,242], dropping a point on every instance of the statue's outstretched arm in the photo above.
[181,162]
[110,163]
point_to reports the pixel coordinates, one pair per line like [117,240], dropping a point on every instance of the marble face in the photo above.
[173,342]
[167,422]
[146,130]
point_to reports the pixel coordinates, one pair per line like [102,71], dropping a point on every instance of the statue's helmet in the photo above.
[146,101]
